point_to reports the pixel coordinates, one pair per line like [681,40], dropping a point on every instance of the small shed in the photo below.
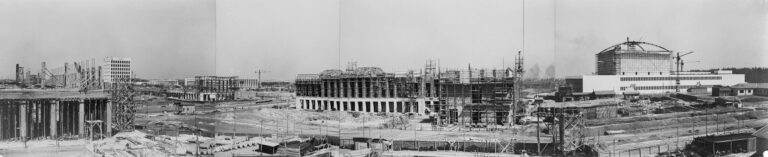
[184,108]
[603,94]
[631,94]
[762,139]
[699,90]
[721,91]
[720,145]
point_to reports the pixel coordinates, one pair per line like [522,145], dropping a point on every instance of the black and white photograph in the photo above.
[383,78]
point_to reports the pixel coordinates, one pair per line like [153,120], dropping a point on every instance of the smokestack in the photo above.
[42,75]
[18,77]
[66,75]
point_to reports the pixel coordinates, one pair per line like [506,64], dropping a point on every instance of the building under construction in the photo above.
[28,114]
[85,74]
[476,97]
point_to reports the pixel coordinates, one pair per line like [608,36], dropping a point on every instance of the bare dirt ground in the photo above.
[251,117]
[64,151]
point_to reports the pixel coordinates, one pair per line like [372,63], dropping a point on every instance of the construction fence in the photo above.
[672,146]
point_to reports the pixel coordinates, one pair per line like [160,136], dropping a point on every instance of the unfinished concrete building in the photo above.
[208,88]
[478,97]
[47,115]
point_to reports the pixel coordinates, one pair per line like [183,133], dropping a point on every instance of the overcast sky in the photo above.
[184,38]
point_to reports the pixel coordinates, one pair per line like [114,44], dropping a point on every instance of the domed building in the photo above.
[647,69]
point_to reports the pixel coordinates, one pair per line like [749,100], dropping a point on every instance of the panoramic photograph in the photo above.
[389,78]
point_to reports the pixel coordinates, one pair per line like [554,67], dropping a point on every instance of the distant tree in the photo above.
[550,72]
[533,73]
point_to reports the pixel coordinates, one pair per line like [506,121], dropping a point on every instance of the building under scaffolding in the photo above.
[476,97]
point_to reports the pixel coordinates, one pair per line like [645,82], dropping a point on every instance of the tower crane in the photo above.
[679,68]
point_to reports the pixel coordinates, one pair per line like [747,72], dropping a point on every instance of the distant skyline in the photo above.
[183,38]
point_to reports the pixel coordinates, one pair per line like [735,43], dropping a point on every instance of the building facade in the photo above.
[647,69]
[46,116]
[476,97]
[116,69]
[207,88]
[246,84]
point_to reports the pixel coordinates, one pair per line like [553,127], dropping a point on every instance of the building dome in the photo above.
[636,46]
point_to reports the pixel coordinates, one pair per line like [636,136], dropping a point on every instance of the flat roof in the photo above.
[750,85]
[582,104]
[50,94]
[727,138]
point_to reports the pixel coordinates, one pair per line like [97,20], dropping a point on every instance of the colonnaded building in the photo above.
[470,96]
[645,68]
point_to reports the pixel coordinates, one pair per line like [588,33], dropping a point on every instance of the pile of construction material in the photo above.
[128,144]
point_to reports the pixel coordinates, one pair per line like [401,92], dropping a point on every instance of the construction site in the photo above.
[470,97]
[78,110]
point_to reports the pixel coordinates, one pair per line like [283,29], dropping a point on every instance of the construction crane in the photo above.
[258,80]
[679,68]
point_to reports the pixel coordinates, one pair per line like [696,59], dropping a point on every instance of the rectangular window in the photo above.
[375,106]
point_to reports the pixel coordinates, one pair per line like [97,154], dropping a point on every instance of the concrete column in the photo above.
[365,87]
[322,89]
[54,117]
[345,85]
[394,90]
[365,107]
[421,105]
[354,88]
[23,118]
[81,117]
[338,88]
[386,89]
[386,106]
[108,123]
[379,90]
